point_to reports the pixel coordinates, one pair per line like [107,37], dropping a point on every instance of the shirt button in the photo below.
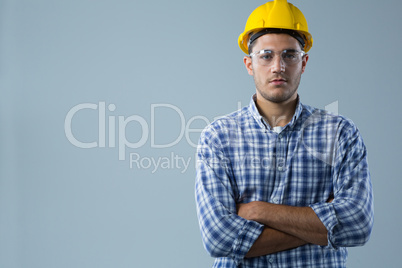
[276,200]
[271,260]
[280,168]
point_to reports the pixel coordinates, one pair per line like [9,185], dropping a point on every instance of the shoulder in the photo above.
[227,123]
[329,125]
[324,117]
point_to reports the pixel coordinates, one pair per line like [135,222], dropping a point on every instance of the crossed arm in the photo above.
[260,228]
[286,227]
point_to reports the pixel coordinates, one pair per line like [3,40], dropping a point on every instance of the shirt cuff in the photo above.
[246,237]
[327,215]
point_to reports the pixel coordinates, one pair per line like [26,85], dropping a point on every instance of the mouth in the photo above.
[277,81]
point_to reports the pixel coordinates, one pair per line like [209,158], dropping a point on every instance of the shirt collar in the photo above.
[260,120]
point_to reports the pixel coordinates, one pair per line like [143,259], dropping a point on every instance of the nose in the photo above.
[278,66]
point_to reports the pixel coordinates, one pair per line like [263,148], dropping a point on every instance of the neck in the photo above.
[277,114]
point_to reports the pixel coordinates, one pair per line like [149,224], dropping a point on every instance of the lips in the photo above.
[277,81]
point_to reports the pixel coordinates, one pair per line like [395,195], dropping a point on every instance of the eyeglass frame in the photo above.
[281,53]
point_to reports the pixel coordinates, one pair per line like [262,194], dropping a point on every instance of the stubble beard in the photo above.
[285,95]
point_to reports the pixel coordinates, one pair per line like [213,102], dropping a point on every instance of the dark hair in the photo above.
[254,36]
[250,47]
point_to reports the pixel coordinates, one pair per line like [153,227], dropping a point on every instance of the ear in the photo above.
[249,65]
[304,63]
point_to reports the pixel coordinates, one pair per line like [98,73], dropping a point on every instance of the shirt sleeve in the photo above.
[349,217]
[224,233]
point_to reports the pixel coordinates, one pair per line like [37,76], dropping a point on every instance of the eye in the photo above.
[289,55]
[266,56]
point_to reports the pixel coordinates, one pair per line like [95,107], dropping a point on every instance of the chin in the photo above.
[279,98]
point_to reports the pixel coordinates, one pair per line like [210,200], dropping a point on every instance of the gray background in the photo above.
[63,206]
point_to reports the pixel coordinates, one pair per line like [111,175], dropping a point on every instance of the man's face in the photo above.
[277,82]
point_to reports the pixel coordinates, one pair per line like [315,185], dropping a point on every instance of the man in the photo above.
[280,183]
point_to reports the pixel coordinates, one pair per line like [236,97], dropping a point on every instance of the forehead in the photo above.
[276,42]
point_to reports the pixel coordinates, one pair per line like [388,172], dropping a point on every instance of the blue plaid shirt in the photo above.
[314,157]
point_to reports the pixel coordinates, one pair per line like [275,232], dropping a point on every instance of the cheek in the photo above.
[296,72]
[260,71]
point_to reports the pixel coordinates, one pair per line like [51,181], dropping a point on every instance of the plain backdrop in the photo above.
[151,73]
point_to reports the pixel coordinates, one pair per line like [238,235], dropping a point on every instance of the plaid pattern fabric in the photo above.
[316,156]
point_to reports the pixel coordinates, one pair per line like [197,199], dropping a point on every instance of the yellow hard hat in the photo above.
[278,14]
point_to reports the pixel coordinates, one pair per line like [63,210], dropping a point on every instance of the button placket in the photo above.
[280,153]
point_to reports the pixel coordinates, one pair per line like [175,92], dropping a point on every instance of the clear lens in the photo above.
[289,57]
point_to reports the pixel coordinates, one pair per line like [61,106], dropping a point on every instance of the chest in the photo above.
[292,168]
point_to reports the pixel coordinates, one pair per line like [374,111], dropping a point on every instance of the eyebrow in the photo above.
[291,50]
[288,50]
